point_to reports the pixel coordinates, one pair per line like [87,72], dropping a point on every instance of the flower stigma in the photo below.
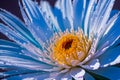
[70,47]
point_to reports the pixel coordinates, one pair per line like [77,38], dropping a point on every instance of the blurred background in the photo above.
[13,7]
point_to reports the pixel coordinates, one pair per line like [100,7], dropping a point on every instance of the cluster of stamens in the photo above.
[69,47]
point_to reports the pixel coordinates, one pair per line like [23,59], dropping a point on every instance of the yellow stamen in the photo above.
[70,47]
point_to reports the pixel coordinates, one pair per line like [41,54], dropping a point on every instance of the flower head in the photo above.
[76,39]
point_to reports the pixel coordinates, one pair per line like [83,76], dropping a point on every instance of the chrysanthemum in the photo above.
[77,39]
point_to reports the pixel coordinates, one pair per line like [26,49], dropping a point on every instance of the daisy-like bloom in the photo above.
[76,39]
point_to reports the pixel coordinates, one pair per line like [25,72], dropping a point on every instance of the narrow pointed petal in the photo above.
[113,12]
[110,25]
[110,57]
[66,8]
[9,46]
[11,54]
[14,71]
[28,75]
[66,76]
[49,16]
[38,26]
[12,34]
[28,63]
[77,73]
[101,16]
[64,12]
[38,76]
[92,65]
[80,8]
[107,45]
[24,15]
[111,35]
[107,7]
[12,49]
[15,25]
[89,13]
[60,77]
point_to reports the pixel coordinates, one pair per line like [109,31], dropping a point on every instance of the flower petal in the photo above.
[111,34]
[28,63]
[77,73]
[49,16]
[37,25]
[112,73]
[89,13]
[113,12]
[106,46]
[33,75]
[11,54]
[13,71]
[110,57]
[60,75]
[24,15]
[92,65]
[79,7]
[63,11]
[9,46]
[66,8]
[101,16]
[43,76]
[67,76]
[16,27]
[11,34]
[12,49]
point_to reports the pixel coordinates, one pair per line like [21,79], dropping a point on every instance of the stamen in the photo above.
[69,48]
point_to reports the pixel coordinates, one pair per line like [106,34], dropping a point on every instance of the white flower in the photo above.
[76,39]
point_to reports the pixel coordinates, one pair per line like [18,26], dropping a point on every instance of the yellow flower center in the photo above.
[70,48]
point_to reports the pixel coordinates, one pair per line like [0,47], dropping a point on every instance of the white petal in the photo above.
[49,79]
[66,8]
[29,78]
[49,15]
[77,73]
[116,61]
[67,76]
[92,65]
[88,14]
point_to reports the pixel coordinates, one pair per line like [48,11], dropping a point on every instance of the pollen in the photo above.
[70,48]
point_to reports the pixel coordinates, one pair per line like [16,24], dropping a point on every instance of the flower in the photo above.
[76,39]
